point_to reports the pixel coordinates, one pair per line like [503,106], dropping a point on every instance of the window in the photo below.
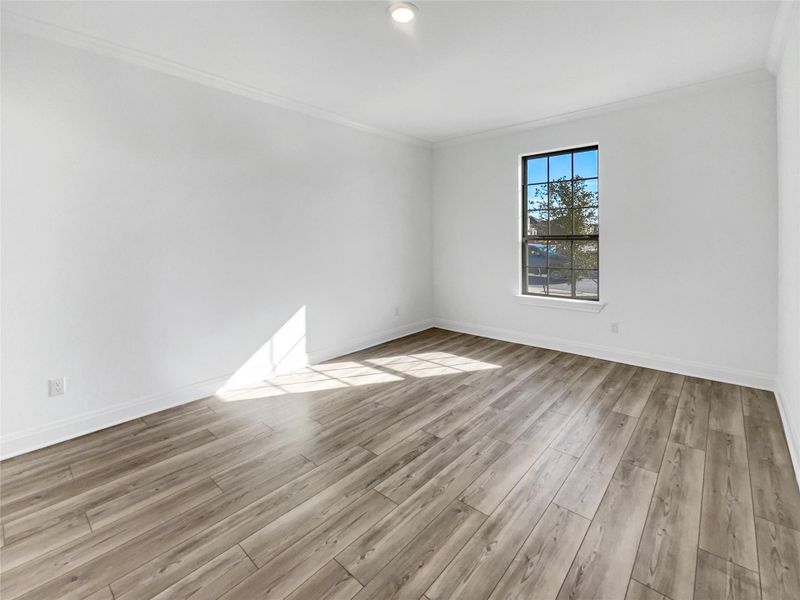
[560,227]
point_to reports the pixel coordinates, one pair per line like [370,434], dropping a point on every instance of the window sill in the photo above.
[592,306]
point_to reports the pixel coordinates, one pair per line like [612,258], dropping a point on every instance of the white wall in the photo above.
[788,379]
[156,233]
[687,242]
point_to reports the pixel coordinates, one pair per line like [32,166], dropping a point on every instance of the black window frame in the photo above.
[526,238]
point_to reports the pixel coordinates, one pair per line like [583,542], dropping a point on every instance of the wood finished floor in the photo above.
[439,465]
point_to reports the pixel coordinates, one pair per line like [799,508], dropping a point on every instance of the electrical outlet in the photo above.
[396,311]
[615,328]
[56,387]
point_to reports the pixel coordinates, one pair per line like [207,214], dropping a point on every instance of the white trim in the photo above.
[780,35]
[590,306]
[13,444]
[641,359]
[354,345]
[628,103]
[791,439]
[75,39]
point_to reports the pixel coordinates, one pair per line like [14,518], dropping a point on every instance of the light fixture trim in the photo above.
[403,12]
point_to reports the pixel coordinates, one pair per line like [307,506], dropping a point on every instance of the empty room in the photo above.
[349,300]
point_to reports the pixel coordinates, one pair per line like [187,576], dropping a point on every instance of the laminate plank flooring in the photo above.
[411,572]
[212,579]
[483,560]
[587,483]
[538,569]
[724,579]
[727,526]
[649,440]
[331,582]
[637,591]
[667,555]
[779,560]
[775,494]
[437,465]
[604,560]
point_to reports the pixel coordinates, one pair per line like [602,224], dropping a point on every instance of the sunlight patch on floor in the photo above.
[344,374]
[432,364]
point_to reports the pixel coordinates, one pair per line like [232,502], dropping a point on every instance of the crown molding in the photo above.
[68,37]
[75,39]
[685,90]
[780,33]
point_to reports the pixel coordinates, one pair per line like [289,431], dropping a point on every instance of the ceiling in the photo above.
[460,68]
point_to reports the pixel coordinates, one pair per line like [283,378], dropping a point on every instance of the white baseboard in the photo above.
[662,363]
[34,438]
[329,352]
[13,444]
[791,436]
[16,443]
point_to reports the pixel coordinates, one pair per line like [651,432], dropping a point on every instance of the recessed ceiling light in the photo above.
[403,12]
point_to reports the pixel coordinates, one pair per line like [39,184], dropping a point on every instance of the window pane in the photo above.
[586,222]
[561,194]
[585,164]
[536,255]
[560,282]
[537,222]
[559,255]
[585,254]
[537,281]
[537,170]
[586,284]
[585,192]
[560,167]
[561,222]
[537,197]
